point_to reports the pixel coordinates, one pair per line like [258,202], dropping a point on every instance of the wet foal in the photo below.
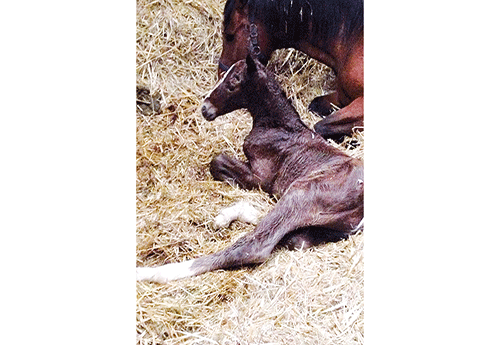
[320,188]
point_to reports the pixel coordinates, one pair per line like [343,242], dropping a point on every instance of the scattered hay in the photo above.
[312,296]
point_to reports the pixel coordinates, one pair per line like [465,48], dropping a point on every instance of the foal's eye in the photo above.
[229,37]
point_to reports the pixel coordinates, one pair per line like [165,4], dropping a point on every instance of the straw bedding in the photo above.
[311,296]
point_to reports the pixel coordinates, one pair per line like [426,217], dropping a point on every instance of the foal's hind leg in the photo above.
[253,248]
[311,237]
[232,170]
[296,209]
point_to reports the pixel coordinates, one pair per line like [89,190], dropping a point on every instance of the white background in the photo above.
[431,158]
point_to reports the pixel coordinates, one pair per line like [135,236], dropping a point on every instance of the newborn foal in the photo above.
[320,188]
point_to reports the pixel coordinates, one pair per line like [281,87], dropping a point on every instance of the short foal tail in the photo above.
[253,248]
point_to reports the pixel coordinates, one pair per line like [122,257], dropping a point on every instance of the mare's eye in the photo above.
[229,37]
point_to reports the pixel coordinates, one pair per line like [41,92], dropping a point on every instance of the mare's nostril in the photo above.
[203,109]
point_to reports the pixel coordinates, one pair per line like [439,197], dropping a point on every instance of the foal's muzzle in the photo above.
[208,111]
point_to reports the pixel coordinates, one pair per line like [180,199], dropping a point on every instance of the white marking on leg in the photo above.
[360,225]
[165,273]
[242,211]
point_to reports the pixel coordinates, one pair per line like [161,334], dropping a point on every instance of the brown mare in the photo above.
[320,188]
[330,31]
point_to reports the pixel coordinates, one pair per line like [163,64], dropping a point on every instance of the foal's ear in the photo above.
[240,3]
[251,65]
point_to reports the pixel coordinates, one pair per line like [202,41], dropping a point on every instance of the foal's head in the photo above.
[233,91]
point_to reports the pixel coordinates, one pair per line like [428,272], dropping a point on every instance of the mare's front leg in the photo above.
[342,122]
[326,104]
[232,170]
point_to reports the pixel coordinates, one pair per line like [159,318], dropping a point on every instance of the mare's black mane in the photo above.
[290,19]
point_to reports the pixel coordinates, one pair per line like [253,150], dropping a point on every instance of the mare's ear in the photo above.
[251,65]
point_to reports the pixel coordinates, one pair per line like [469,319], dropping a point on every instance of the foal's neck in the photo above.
[270,107]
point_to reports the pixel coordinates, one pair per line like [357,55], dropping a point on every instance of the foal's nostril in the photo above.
[204,109]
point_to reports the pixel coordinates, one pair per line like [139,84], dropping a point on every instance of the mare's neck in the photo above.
[330,54]
[321,33]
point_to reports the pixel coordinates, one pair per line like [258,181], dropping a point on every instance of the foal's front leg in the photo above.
[232,170]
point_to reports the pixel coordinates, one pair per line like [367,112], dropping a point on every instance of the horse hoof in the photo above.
[328,133]
[318,107]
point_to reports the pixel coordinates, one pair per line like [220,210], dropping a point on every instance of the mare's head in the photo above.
[260,26]
[244,32]
[233,91]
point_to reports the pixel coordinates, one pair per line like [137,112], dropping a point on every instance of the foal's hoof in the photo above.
[224,168]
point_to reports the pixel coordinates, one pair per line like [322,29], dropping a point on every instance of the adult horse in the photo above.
[330,31]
